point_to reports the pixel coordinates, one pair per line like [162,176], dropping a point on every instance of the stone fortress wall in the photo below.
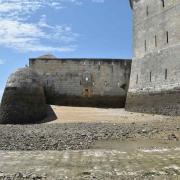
[84,82]
[23,100]
[155,78]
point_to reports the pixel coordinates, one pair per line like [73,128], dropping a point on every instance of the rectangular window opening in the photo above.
[147,10]
[137,78]
[155,39]
[163,3]
[145,45]
[167,37]
[150,77]
[166,74]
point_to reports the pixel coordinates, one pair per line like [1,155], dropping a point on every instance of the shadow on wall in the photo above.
[94,101]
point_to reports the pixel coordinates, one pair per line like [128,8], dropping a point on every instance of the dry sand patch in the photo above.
[101,115]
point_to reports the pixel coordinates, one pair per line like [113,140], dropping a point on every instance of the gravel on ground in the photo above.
[79,136]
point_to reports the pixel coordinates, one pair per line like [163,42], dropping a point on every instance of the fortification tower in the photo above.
[155,75]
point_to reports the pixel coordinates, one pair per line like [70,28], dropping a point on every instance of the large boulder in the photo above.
[23,101]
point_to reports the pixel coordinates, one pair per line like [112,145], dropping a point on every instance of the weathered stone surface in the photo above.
[155,72]
[84,82]
[165,102]
[23,100]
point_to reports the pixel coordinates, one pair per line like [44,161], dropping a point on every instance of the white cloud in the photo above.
[29,37]
[19,33]
[8,7]
[17,7]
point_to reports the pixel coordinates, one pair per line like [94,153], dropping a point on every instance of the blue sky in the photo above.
[65,28]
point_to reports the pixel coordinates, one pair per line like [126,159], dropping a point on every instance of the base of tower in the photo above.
[164,102]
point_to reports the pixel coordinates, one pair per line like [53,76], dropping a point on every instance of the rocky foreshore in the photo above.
[79,136]
[21,176]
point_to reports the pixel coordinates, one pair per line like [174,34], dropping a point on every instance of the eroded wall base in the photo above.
[164,102]
[94,101]
[22,106]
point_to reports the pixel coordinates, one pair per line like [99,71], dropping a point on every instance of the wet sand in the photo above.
[153,161]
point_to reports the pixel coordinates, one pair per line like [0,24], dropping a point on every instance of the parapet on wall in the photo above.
[84,82]
[155,77]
